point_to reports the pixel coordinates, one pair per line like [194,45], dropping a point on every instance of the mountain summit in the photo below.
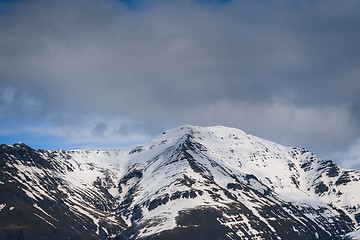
[188,183]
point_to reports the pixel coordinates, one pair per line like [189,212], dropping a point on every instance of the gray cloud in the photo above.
[100,129]
[351,157]
[286,72]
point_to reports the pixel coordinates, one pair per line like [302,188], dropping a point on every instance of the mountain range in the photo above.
[187,183]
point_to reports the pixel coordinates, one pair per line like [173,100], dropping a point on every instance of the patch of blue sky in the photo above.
[34,140]
[136,4]
[5,4]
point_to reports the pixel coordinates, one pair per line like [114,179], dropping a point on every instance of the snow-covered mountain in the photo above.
[188,183]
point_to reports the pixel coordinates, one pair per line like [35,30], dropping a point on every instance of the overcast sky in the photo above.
[106,73]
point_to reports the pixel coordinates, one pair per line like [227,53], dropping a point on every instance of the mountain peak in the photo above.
[181,131]
[215,181]
[200,132]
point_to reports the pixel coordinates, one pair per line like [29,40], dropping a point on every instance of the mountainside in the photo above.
[188,183]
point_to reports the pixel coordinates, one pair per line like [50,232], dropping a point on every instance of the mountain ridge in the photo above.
[247,187]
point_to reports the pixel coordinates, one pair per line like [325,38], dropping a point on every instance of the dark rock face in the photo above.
[343,179]
[211,223]
[321,188]
[195,224]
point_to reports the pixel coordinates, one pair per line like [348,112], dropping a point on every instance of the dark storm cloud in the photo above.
[285,70]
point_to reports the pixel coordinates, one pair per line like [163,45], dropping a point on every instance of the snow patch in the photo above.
[2,206]
[40,209]
[45,220]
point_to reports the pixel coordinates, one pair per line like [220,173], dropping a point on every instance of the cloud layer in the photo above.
[103,72]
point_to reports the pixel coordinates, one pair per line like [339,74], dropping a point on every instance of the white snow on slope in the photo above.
[355,235]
